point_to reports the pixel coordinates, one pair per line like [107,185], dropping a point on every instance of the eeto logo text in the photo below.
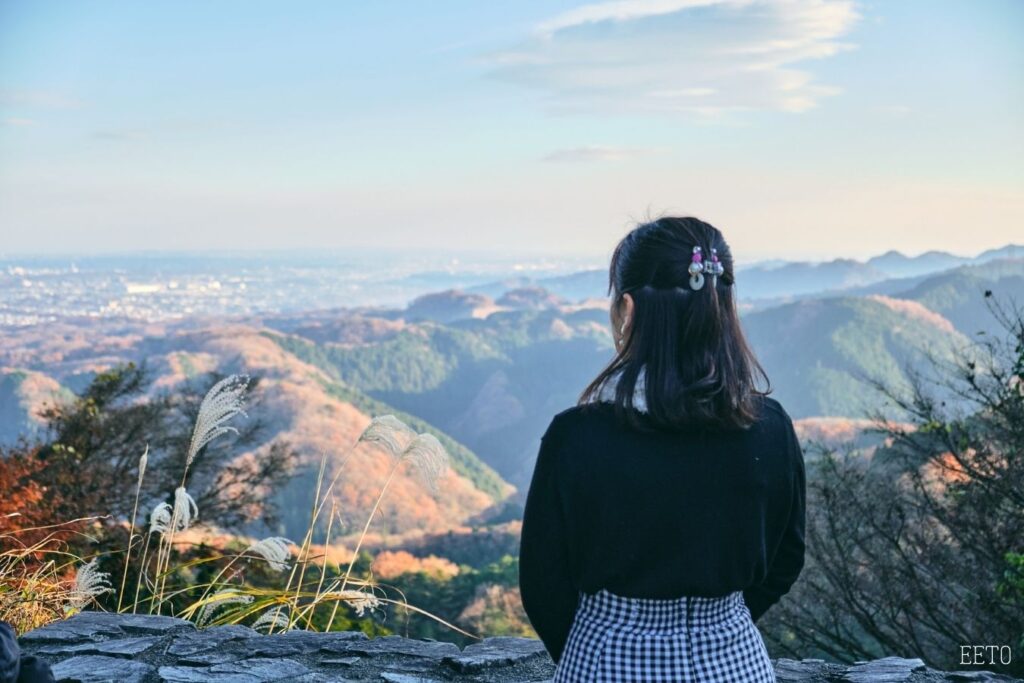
[985,655]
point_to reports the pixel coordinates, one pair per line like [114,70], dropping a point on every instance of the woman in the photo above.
[666,510]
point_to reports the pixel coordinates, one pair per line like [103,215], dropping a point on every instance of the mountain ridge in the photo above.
[778,279]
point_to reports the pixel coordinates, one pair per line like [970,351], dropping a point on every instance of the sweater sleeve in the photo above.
[547,589]
[787,561]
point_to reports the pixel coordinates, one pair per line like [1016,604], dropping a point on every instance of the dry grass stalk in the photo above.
[131,530]
[36,582]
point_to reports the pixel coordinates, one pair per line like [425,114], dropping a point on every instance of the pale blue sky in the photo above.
[802,128]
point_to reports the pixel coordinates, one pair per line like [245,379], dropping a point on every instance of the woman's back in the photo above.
[683,493]
[666,510]
[660,514]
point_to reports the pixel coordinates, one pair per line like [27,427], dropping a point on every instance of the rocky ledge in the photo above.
[97,646]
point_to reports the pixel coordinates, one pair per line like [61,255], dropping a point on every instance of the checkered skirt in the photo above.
[647,640]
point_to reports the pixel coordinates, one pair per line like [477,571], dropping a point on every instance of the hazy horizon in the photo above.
[454,256]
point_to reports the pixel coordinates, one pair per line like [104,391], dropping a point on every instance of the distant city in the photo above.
[151,287]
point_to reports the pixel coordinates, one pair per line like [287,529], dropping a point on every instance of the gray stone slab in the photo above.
[211,657]
[797,671]
[208,639]
[885,670]
[496,652]
[325,641]
[341,661]
[78,628]
[253,670]
[120,647]
[98,669]
[221,647]
[225,647]
[95,625]
[146,623]
[407,678]
[304,642]
[395,645]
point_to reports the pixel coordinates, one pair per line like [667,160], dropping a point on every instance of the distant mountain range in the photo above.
[486,368]
[895,264]
[776,280]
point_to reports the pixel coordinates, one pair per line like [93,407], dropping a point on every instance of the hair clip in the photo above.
[715,267]
[696,269]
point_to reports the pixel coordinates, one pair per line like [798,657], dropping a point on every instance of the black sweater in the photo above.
[659,514]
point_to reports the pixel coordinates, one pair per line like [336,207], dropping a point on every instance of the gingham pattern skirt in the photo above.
[680,640]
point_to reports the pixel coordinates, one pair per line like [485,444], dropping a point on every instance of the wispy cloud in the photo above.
[118,135]
[895,110]
[38,99]
[697,57]
[14,121]
[595,153]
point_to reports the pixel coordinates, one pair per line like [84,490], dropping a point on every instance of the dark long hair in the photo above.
[698,368]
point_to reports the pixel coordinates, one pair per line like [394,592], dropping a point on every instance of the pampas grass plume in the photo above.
[160,519]
[360,601]
[273,618]
[142,465]
[90,583]
[219,601]
[275,550]
[428,458]
[185,509]
[223,401]
[390,432]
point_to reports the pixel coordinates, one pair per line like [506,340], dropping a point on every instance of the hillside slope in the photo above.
[299,403]
[959,295]
[821,353]
[492,383]
[22,393]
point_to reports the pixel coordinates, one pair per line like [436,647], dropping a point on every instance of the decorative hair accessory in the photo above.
[716,267]
[698,267]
